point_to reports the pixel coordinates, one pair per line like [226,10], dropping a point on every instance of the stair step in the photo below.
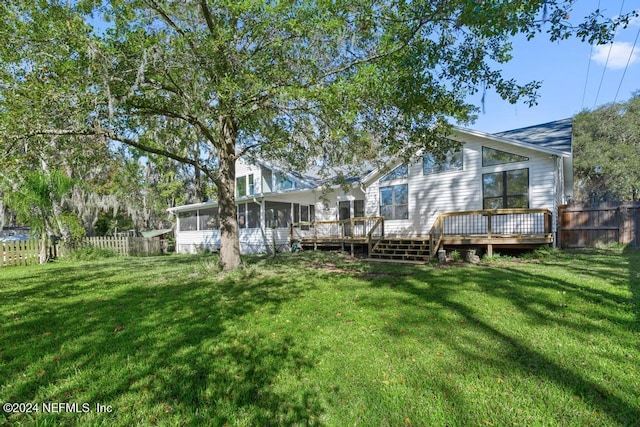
[410,247]
[395,261]
[400,256]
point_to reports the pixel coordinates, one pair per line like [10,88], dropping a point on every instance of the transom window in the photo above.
[451,161]
[508,189]
[394,202]
[491,157]
[398,173]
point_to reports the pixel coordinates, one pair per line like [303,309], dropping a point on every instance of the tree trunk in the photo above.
[229,239]
[44,256]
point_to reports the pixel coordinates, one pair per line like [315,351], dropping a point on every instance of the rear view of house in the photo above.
[497,190]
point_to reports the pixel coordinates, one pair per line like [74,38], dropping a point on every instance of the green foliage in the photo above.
[34,202]
[88,254]
[543,253]
[74,225]
[606,147]
[455,256]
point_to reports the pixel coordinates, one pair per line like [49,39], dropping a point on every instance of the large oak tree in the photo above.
[312,82]
[607,152]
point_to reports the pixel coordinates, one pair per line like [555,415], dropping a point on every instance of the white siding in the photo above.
[252,240]
[191,242]
[432,194]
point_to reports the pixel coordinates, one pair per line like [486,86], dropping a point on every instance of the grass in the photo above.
[319,339]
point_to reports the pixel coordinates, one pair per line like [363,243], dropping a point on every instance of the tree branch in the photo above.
[99,132]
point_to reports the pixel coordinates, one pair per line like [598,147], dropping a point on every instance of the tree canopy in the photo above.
[607,152]
[308,83]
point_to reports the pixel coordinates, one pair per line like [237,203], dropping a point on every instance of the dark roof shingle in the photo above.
[556,135]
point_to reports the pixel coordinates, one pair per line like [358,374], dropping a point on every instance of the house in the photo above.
[499,189]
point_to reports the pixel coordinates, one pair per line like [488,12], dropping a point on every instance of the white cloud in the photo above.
[619,55]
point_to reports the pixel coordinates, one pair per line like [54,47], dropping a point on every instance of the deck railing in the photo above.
[350,229]
[491,223]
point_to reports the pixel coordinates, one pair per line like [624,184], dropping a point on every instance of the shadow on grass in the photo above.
[532,294]
[633,256]
[164,345]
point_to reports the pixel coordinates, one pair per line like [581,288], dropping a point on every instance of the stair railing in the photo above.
[371,244]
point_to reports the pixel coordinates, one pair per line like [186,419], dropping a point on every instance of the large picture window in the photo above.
[452,161]
[394,202]
[508,189]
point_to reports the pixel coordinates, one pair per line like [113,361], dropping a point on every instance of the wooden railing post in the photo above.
[489,231]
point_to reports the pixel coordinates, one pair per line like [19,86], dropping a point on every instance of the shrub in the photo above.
[89,254]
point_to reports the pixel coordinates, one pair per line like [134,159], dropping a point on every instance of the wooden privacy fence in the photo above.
[581,226]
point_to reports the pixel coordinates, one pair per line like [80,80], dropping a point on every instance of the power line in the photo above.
[607,61]
[627,66]
[586,80]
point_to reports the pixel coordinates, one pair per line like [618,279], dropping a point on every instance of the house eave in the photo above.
[484,135]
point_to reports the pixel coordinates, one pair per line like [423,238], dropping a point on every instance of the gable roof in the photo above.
[552,138]
[556,135]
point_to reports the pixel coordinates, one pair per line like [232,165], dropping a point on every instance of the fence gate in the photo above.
[581,226]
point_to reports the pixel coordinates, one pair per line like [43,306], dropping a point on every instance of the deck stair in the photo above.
[401,249]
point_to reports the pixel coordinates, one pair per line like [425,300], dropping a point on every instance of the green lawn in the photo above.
[318,339]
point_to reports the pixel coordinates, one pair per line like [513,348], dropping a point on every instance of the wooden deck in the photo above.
[501,228]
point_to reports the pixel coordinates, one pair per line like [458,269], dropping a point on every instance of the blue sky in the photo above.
[565,68]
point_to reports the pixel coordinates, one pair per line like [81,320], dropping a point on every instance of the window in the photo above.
[283,183]
[452,161]
[304,216]
[492,157]
[209,219]
[394,202]
[188,221]
[278,214]
[253,215]
[398,173]
[241,215]
[248,215]
[358,208]
[267,177]
[296,212]
[252,187]
[508,189]
[241,186]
